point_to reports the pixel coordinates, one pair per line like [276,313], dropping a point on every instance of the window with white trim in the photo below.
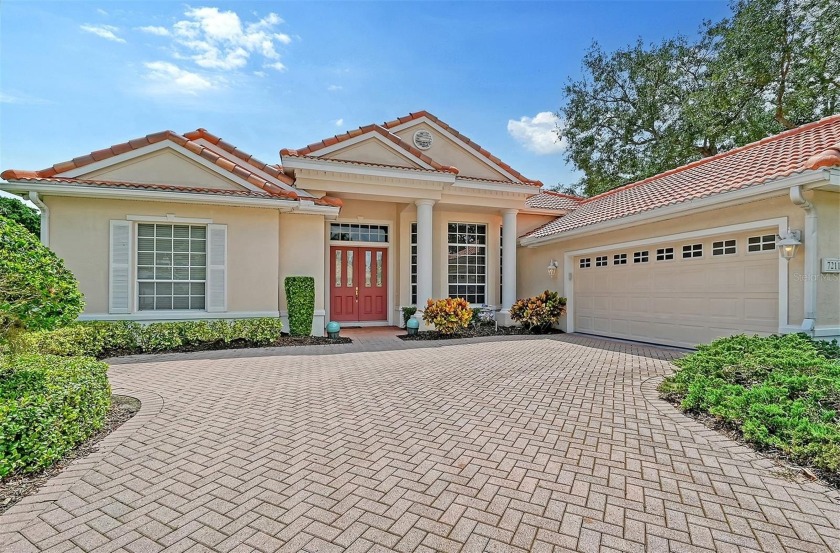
[349,232]
[171,266]
[664,254]
[585,262]
[413,254]
[724,247]
[641,257]
[690,251]
[620,259]
[763,243]
[601,261]
[467,261]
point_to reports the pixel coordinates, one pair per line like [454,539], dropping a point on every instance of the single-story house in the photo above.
[172,226]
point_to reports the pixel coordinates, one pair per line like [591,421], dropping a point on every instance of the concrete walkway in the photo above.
[515,444]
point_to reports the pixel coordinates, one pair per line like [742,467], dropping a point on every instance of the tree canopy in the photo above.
[16,210]
[647,108]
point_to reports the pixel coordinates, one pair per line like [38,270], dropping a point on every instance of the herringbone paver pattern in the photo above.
[524,444]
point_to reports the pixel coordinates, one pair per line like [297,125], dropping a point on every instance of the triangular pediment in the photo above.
[374,149]
[167,166]
[448,149]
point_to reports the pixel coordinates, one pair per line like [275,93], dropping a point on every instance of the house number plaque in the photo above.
[830,265]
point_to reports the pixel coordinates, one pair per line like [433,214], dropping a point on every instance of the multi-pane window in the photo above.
[724,247]
[413,263]
[692,250]
[761,243]
[640,257]
[347,232]
[601,261]
[664,254]
[620,259]
[467,262]
[585,262]
[171,266]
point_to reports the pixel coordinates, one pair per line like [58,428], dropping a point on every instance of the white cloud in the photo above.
[537,133]
[108,32]
[339,122]
[154,30]
[335,88]
[169,79]
[102,12]
[216,39]
[17,98]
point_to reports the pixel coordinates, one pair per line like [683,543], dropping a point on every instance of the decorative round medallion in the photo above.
[423,139]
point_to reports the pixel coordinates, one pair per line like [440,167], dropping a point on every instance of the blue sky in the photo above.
[80,76]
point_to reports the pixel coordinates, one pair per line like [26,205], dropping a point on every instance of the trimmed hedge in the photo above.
[781,393]
[48,405]
[300,301]
[108,338]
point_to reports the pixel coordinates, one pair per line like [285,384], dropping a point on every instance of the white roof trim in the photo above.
[367,136]
[469,149]
[80,172]
[337,166]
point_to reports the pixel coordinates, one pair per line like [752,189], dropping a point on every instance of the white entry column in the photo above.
[424,253]
[509,235]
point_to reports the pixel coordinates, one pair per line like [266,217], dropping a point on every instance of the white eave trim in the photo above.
[777,187]
[78,190]
[517,187]
[294,162]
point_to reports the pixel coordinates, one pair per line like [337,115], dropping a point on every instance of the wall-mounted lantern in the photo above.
[788,245]
[552,269]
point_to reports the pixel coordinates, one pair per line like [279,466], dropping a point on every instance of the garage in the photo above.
[680,293]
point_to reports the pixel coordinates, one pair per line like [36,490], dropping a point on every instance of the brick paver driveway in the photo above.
[520,444]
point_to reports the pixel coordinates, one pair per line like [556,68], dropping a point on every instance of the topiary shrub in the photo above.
[36,290]
[539,313]
[449,315]
[407,313]
[300,301]
[48,405]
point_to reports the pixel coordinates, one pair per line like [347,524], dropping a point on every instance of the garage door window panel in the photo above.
[692,251]
[641,257]
[764,243]
[665,254]
[601,261]
[586,262]
[620,259]
[725,247]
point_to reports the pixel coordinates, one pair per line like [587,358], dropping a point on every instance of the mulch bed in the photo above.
[787,469]
[15,487]
[474,332]
[284,341]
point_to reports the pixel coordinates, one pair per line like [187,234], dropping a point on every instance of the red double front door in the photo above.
[358,283]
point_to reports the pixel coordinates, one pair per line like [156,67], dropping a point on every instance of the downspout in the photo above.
[811,260]
[45,217]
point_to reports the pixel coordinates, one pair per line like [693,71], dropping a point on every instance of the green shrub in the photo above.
[19,212]
[108,338]
[48,405]
[449,315]
[540,313]
[780,392]
[36,290]
[407,313]
[300,301]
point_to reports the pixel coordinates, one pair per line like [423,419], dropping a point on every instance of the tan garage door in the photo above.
[680,294]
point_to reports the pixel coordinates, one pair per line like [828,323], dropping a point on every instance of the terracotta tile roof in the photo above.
[396,140]
[275,171]
[225,163]
[548,199]
[326,200]
[807,147]
[420,114]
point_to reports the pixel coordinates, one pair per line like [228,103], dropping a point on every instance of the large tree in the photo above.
[16,210]
[644,109]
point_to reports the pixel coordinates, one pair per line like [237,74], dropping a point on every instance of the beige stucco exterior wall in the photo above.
[533,276]
[526,222]
[447,152]
[301,239]
[828,236]
[165,166]
[372,151]
[80,231]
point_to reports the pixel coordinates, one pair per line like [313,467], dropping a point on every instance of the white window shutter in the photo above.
[119,269]
[216,300]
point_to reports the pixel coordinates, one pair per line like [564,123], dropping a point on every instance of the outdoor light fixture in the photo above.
[552,268]
[787,245]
